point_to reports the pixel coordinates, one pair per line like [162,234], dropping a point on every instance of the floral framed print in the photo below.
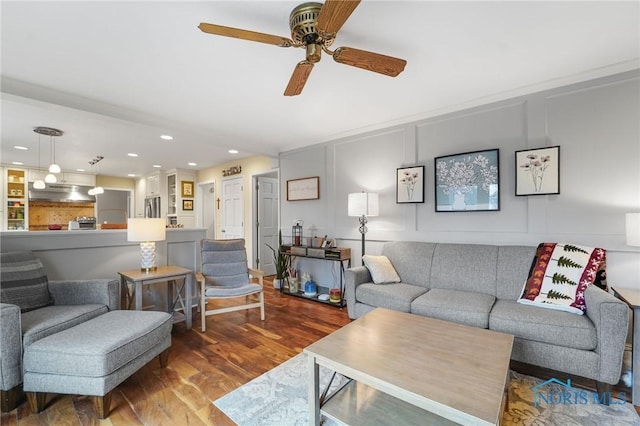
[410,185]
[538,171]
[468,182]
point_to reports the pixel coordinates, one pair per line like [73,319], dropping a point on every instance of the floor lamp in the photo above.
[363,204]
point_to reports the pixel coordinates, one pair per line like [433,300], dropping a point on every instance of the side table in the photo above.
[168,274]
[632,298]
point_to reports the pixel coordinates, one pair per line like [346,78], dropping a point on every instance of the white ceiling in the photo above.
[114,76]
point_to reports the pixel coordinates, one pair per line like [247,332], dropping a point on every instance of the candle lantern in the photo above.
[296,233]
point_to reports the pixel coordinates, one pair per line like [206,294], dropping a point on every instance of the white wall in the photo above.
[595,124]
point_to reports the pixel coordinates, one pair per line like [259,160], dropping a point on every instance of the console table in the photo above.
[168,274]
[632,298]
[334,254]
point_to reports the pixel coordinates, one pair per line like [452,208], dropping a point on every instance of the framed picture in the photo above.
[187,204]
[468,181]
[303,189]
[410,185]
[538,171]
[187,188]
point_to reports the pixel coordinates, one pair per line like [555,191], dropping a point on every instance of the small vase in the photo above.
[293,285]
[277,283]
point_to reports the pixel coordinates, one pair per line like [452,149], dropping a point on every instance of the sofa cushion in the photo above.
[403,255]
[381,269]
[559,275]
[396,296]
[462,307]
[514,263]
[466,267]
[49,320]
[24,282]
[543,325]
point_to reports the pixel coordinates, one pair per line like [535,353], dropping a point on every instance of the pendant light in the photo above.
[53,167]
[96,190]
[39,183]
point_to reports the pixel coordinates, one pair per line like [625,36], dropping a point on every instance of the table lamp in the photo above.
[633,229]
[363,204]
[146,231]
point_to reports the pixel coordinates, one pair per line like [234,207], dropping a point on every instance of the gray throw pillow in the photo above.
[23,281]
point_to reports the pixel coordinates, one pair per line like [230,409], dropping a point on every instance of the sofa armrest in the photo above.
[80,292]
[353,277]
[611,319]
[10,346]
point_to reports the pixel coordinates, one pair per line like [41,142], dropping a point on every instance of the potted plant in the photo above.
[281,261]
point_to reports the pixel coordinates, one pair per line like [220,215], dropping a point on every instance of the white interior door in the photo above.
[232,209]
[267,222]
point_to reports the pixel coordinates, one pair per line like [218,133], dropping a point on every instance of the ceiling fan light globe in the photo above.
[50,178]
[54,168]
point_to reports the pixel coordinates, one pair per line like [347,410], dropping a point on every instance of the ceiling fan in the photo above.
[314,26]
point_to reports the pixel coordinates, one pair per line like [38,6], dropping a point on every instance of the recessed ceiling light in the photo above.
[24,148]
[80,170]
[166,137]
[157,166]
[233,151]
[131,175]
[192,164]
[132,154]
[17,163]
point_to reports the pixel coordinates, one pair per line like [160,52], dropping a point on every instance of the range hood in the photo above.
[61,192]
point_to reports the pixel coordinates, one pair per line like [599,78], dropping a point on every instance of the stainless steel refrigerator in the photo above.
[152,206]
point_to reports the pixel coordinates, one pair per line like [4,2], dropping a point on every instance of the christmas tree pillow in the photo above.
[559,275]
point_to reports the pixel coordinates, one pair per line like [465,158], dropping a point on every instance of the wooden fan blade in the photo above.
[370,61]
[245,35]
[333,15]
[298,78]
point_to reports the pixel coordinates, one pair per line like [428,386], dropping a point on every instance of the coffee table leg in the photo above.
[314,391]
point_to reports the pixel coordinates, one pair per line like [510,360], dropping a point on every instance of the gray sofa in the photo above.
[32,308]
[478,285]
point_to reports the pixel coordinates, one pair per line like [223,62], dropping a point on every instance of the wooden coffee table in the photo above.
[409,369]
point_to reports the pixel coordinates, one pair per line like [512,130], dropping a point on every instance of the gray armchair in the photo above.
[225,275]
[31,308]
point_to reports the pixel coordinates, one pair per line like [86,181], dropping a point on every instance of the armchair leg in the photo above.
[11,398]
[164,358]
[37,401]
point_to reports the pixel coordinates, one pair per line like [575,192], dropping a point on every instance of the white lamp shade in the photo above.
[39,184]
[363,203]
[147,229]
[50,178]
[633,229]
[54,168]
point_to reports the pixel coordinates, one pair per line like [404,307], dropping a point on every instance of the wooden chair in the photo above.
[225,275]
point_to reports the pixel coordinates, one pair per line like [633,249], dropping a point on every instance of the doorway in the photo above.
[232,225]
[266,219]
[208,208]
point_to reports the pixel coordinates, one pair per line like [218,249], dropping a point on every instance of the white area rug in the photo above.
[279,398]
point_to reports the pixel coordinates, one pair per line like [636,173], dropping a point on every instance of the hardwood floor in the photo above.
[236,348]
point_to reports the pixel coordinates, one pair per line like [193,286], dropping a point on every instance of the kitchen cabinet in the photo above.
[68,178]
[140,194]
[153,185]
[15,200]
[181,207]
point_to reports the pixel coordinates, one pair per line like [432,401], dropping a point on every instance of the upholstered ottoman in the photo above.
[94,357]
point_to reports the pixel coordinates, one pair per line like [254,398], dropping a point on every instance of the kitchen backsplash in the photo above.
[45,213]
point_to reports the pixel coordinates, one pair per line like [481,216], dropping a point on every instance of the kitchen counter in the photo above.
[99,253]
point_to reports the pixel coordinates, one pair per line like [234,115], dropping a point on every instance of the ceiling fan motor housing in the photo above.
[302,23]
